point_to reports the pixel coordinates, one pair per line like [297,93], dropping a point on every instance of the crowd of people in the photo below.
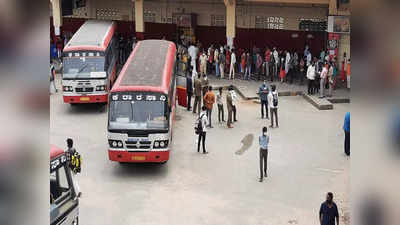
[271,64]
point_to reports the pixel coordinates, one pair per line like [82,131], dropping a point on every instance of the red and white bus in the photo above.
[90,63]
[142,105]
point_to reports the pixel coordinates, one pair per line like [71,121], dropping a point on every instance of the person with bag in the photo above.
[52,78]
[273,105]
[75,163]
[201,129]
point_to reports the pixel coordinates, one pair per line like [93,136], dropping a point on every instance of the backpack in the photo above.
[275,100]
[76,162]
[199,127]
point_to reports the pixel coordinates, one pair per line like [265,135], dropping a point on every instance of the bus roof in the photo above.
[148,68]
[92,35]
[55,151]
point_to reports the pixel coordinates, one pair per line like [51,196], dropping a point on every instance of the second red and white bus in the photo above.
[142,105]
[90,63]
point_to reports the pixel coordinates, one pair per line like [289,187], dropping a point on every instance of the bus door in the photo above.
[63,199]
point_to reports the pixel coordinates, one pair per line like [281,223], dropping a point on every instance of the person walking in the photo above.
[346,129]
[276,64]
[287,63]
[220,106]
[301,68]
[197,95]
[273,105]
[192,51]
[328,211]
[222,63]
[227,60]
[263,92]
[189,89]
[216,59]
[234,101]
[202,129]
[242,62]
[259,66]
[232,65]
[263,142]
[71,151]
[209,100]
[322,81]
[311,78]
[229,105]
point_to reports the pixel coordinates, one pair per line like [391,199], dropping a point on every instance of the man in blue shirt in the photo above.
[328,211]
[346,128]
[263,141]
[263,92]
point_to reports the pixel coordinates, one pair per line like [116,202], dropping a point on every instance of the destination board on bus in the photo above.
[57,163]
[137,96]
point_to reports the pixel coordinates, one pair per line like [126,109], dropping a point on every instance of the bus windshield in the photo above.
[138,115]
[83,67]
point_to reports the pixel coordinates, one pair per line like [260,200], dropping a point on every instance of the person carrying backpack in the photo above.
[201,129]
[273,105]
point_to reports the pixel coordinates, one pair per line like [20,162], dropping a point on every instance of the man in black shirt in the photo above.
[189,88]
[328,211]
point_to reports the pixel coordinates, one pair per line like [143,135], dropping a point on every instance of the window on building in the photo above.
[218,20]
[79,3]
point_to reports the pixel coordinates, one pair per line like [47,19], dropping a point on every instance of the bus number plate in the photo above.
[138,158]
[84,98]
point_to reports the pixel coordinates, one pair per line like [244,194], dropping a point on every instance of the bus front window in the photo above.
[138,115]
[82,67]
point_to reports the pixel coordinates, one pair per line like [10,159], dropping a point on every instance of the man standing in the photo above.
[209,100]
[311,78]
[232,66]
[71,151]
[203,64]
[267,61]
[273,105]
[276,59]
[229,106]
[248,65]
[192,50]
[52,77]
[204,86]
[324,75]
[216,59]
[197,94]
[234,101]
[189,89]
[222,63]
[263,92]
[346,128]
[263,141]
[220,106]
[329,211]
[202,133]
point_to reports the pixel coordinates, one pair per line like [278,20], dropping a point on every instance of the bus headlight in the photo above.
[120,144]
[156,144]
[67,88]
[100,88]
[162,144]
[114,143]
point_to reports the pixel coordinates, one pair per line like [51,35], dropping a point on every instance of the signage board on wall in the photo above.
[339,24]
[270,22]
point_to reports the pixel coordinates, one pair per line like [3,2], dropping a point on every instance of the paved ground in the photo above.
[306,160]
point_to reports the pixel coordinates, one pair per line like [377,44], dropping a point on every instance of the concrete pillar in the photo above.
[230,21]
[333,7]
[139,21]
[57,16]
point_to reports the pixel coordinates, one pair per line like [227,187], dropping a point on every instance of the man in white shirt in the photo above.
[193,55]
[203,64]
[232,66]
[324,74]
[311,78]
[202,134]
[234,101]
[273,105]
[276,58]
